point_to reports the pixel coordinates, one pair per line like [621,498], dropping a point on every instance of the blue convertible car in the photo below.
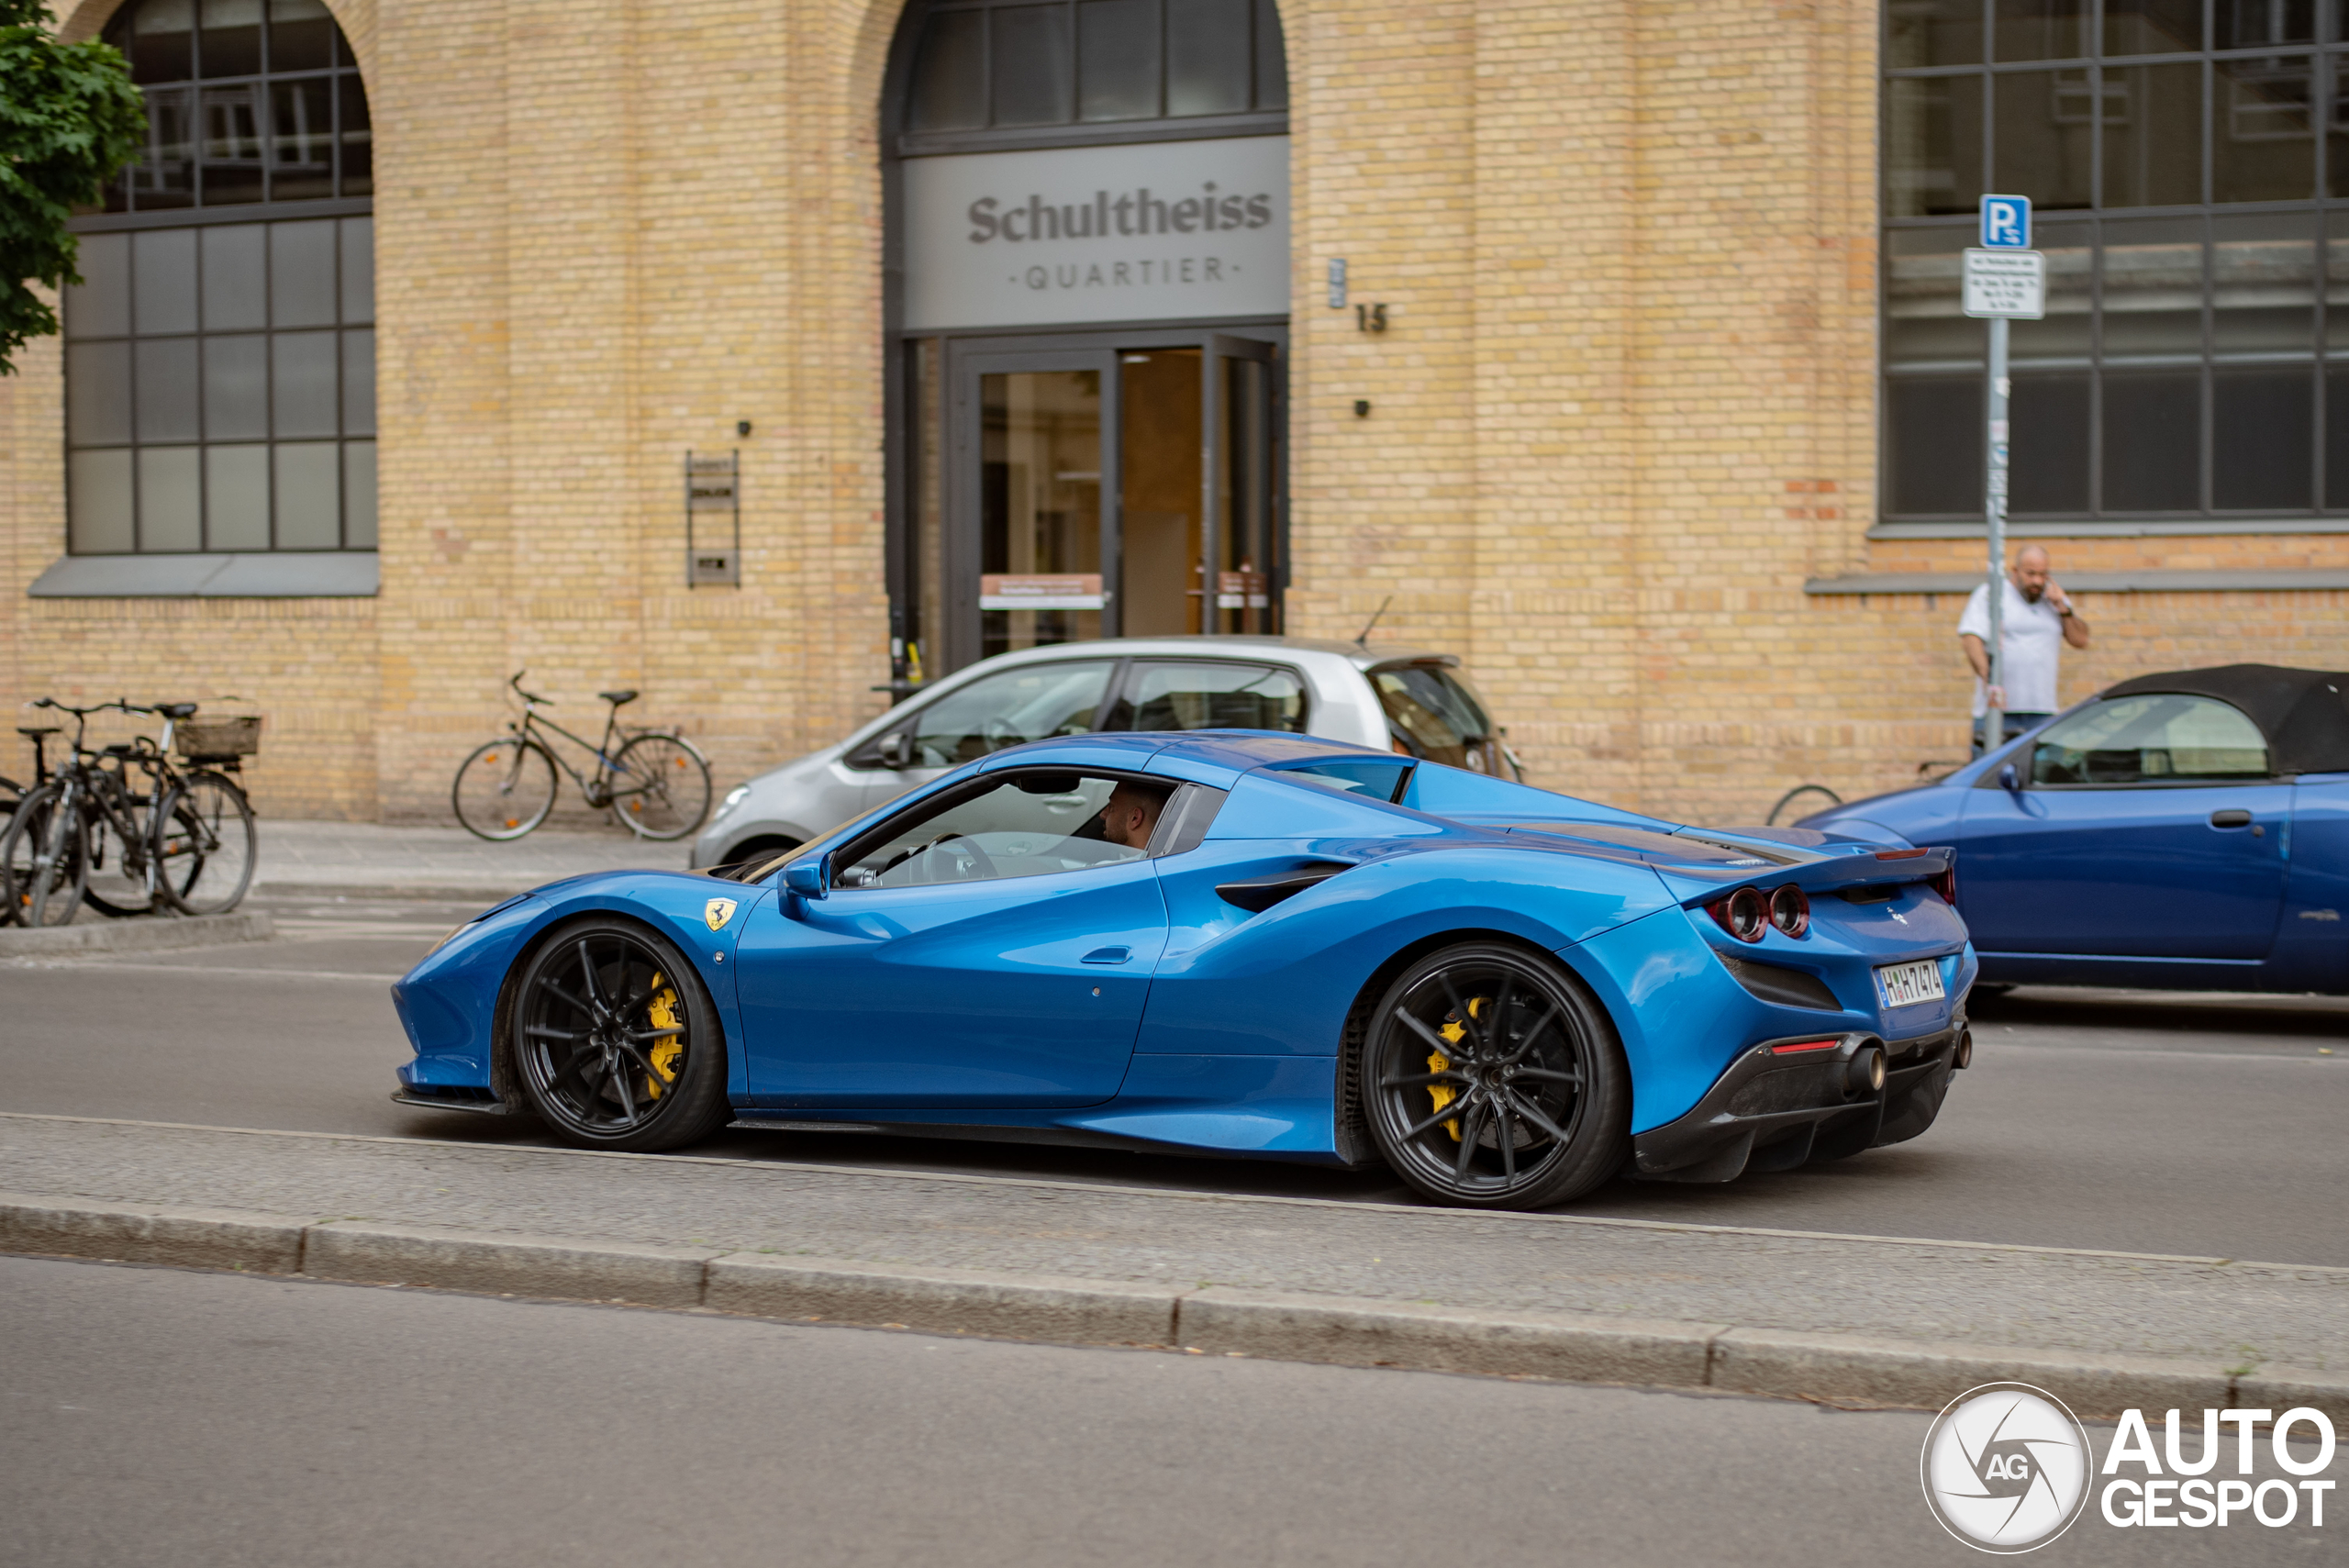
[1234,942]
[2181,830]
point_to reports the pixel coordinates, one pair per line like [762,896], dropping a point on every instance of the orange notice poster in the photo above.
[1068,591]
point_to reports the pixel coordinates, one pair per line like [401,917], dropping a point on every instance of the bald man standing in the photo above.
[2039,620]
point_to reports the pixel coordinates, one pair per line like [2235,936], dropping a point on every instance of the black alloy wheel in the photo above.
[1492,1079]
[615,1042]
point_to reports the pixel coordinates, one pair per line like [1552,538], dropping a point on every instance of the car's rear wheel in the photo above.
[1522,1058]
[615,1044]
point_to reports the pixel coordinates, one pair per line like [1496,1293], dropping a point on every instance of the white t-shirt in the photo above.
[2033,642]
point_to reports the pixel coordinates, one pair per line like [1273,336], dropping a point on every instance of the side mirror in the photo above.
[898,751]
[2010,780]
[809,879]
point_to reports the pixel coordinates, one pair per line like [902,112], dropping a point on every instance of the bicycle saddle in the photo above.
[617,699]
[118,750]
[175,709]
[37,734]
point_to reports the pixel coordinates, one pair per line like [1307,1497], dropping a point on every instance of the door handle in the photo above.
[1108,956]
[2231,819]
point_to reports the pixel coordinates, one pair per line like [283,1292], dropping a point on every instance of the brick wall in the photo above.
[1624,407]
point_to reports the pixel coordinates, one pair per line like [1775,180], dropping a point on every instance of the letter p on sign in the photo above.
[2006,223]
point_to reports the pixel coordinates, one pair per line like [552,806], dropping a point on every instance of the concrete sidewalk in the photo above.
[1870,1319]
[327,858]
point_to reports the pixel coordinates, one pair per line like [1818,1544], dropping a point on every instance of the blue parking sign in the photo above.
[2006,223]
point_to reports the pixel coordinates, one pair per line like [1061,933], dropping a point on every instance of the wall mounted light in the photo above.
[742,426]
[1362,408]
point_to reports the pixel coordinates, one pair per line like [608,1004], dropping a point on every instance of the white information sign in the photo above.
[2010,284]
[1167,230]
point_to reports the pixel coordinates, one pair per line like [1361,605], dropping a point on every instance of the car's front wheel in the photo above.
[1492,1079]
[615,1044]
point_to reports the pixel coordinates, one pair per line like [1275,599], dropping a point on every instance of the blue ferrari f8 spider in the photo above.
[1240,942]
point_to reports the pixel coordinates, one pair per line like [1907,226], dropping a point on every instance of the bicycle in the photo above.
[656,785]
[1829,798]
[181,842]
[12,795]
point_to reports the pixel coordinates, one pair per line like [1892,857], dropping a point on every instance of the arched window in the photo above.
[220,356]
[1075,65]
[2189,164]
[1089,241]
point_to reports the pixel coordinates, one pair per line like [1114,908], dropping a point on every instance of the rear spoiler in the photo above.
[1826,874]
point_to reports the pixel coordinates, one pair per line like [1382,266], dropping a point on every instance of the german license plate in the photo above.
[1906,985]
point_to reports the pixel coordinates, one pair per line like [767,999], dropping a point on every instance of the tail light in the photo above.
[1743,914]
[1790,909]
[1946,885]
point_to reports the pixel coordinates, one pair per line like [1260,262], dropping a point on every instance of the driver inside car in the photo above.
[1128,817]
[1010,831]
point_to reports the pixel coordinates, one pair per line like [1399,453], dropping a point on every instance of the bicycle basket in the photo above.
[217,740]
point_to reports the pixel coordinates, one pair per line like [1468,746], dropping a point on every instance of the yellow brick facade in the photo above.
[1625,408]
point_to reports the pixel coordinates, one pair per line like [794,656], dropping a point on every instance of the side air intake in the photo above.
[1785,987]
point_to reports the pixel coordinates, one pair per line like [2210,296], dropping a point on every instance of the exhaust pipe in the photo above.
[1864,1073]
[1960,1055]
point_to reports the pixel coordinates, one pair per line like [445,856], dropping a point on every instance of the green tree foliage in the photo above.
[69,119]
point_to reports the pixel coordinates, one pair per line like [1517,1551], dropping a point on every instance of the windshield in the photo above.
[2155,738]
[1032,702]
[1434,713]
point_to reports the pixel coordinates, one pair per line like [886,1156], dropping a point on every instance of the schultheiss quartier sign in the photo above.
[1173,230]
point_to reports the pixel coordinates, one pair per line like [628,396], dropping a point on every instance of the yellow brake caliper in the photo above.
[663,1015]
[1454,1033]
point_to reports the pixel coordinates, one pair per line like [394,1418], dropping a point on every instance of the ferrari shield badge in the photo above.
[718,911]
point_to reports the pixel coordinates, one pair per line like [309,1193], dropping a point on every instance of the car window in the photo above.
[1435,712]
[1029,824]
[1378,778]
[1194,694]
[1033,702]
[2153,739]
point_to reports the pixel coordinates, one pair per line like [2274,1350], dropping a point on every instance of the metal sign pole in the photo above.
[1994,514]
[2004,279]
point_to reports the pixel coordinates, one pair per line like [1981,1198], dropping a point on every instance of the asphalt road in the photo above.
[2120,1121]
[152,1416]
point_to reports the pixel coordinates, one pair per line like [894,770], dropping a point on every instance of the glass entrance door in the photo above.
[1107,489]
[1038,555]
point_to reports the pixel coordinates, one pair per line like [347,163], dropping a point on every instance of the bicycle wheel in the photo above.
[1829,798]
[117,885]
[205,848]
[505,789]
[44,861]
[661,787]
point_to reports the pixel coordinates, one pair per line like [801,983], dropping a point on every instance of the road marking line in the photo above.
[84,968]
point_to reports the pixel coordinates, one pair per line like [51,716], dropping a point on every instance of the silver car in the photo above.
[1390,697]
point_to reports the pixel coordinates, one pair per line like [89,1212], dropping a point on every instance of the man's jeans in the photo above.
[2016,724]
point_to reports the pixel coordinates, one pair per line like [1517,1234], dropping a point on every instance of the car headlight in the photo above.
[734,797]
[454,932]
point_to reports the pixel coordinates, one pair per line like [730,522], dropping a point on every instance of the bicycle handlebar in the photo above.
[85,712]
[528,696]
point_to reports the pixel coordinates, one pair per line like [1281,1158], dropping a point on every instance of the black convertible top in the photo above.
[2303,713]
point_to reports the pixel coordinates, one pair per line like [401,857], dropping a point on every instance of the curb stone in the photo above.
[155,933]
[1929,1373]
[1212,1320]
[945,1301]
[1445,1339]
[183,1238]
[440,1259]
